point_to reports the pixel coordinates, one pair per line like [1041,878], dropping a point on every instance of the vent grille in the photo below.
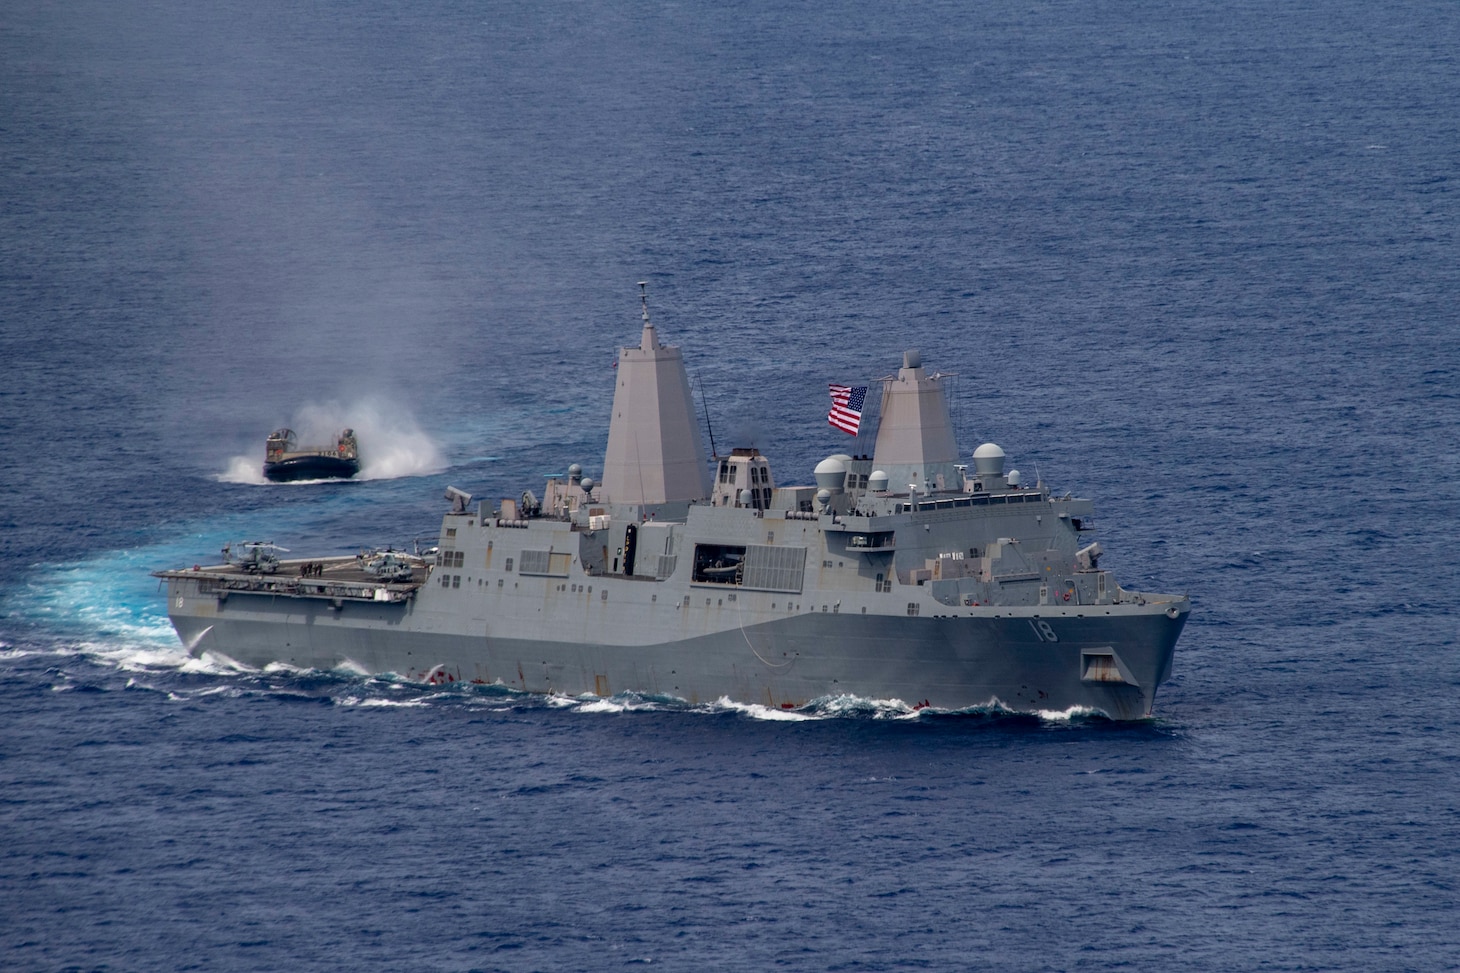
[544,562]
[774,568]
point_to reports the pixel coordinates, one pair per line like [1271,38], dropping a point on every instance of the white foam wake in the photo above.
[758,712]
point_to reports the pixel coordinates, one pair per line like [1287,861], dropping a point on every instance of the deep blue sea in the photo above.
[1195,261]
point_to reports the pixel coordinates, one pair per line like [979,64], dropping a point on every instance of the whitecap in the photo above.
[758,712]
[1068,715]
[377,702]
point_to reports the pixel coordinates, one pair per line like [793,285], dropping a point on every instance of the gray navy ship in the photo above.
[904,575]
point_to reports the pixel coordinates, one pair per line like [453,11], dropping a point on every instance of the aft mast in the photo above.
[915,443]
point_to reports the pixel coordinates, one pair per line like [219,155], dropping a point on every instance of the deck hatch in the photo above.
[1102,665]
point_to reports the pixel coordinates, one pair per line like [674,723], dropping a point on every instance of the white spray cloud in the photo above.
[392,443]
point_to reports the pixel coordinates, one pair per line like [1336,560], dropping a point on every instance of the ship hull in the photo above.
[1109,659]
[325,467]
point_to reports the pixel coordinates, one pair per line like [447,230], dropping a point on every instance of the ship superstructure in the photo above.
[905,575]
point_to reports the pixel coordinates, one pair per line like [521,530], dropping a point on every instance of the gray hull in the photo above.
[1043,658]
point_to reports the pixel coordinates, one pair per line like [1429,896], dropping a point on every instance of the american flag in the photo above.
[846,407]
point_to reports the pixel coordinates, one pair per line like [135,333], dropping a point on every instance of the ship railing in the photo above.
[971,500]
[296,588]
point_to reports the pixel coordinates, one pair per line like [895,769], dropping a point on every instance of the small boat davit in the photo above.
[286,460]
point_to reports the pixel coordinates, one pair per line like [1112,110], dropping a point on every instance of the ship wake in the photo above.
[179,677]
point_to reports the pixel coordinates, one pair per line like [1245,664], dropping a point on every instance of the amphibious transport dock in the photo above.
[905,574]
[285,460]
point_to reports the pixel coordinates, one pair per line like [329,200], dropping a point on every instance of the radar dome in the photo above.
[746,499]
[831,474]
[988,460]
[877,482]
[823,497]
[1014,478]
[587,484]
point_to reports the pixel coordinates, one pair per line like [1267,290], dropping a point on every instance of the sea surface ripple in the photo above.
[1196,262]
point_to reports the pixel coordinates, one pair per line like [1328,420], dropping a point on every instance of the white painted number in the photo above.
[1042,631]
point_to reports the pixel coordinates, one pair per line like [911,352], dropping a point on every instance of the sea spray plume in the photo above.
[392,443]
[244,469]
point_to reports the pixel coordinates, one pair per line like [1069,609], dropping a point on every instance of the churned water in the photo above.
[1195,261]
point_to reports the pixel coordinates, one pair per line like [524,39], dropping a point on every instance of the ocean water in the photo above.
[1197,262]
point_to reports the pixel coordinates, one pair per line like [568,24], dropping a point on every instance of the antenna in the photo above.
[705,404]
[955,407]
[644,298]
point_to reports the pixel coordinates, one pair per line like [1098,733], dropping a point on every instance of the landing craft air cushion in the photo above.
[285,460]
[904,575]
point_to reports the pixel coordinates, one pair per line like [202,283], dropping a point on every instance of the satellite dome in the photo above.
[831,474]
[746,498]
[988,460]
[575,470]
[877,482]
[1014,478]
[823,497]
[587,484]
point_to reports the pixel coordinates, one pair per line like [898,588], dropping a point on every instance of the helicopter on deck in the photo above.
[255,557]
[387,565]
